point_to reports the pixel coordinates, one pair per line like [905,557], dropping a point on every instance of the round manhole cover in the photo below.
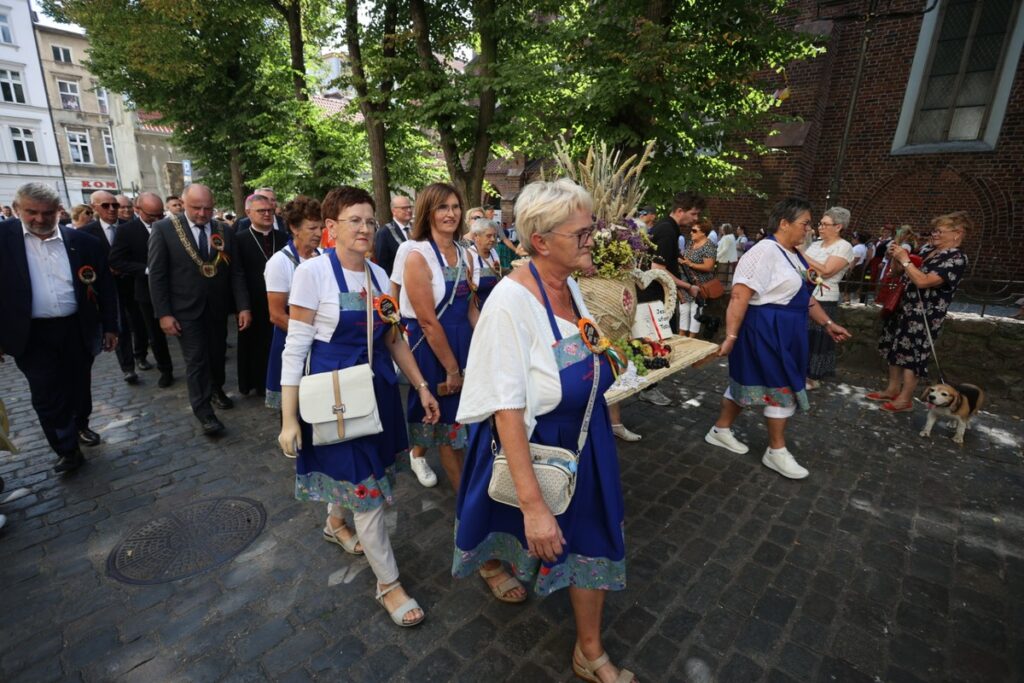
[187,541]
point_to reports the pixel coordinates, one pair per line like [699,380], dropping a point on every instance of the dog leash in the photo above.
[928,332]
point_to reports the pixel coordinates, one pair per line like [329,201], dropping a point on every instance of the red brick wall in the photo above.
[876,186]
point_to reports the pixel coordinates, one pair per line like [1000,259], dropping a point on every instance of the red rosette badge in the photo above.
[87,276]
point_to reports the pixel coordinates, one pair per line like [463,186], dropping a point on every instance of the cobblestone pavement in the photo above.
[899,559]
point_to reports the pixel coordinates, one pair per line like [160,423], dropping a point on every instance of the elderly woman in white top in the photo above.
[302,215]
[727,253]
[766,336]
[829,258]
[331,298]
[536,374]
[486,266]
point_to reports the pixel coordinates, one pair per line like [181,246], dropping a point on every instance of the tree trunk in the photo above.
[237,189]
[376,134]
[443,123]
[292,13]
[483,11]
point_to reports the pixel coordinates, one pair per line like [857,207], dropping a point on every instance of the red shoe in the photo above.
[878,396]
[891,407]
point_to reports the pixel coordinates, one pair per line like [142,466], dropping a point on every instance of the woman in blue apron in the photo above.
[436,285]
[533,372]
[302,215]
[328,306]
[486,265]
[766,336]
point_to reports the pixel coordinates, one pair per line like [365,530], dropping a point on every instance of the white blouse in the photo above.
[771,271]
[279,271]
[511,361]
[820,253]
[315,288]
[472,254]
[436,274]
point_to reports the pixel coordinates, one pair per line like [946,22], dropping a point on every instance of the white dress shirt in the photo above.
[49,271]
[108,230]
[195,234]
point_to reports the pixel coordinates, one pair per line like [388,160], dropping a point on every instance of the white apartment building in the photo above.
[28,150]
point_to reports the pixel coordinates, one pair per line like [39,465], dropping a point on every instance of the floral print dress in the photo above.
[904,342]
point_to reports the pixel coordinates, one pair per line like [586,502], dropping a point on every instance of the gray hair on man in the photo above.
[544,205]
[38,192]
[839,216]
[256,197]
[482,225]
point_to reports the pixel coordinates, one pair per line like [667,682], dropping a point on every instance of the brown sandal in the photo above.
[502,589]
[587,670]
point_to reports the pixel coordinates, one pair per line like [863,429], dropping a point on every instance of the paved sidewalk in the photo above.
[899,559]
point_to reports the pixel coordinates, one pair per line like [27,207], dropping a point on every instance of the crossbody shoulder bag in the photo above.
[341,405]
[554,467]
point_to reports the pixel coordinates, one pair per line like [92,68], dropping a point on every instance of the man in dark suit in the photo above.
[129,255]
[253,248]
[191,280]
[58,309]
[133,337]
[393,233]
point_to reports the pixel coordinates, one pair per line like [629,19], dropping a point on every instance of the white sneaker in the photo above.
[655,397]
[421,468]
[624,434]
[784,463]
[725,439]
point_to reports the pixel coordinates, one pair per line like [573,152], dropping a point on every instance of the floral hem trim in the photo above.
[272,399]
[454,435]
[367,495]
[596,573]
[780,397]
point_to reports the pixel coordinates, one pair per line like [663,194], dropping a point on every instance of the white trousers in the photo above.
[688,317]
[373,536]
[776,412]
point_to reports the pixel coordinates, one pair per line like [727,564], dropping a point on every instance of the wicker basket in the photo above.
[612,303]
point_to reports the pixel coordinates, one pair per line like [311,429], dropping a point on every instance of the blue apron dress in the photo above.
[768,364]
[455,323]
[594,552]
[356,474]
[488,280]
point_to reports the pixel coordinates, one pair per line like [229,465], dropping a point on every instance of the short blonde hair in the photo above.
[78,209]
[958,220]
[544,205]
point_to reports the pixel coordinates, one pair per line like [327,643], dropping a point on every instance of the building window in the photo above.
[103,100]
[61,54]
[5,29]
[78,144]
[10,87]
[960,80]
[108,147]
[24,145]
[69,95]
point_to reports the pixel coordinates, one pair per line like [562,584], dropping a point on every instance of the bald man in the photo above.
[124,208]
[191,281]
[128,256]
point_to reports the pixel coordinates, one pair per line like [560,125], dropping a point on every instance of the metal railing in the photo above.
[981,295]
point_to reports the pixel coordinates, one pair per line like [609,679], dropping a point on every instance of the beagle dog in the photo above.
[960,402]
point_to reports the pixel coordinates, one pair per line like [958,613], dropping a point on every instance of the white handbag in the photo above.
[554,467]
[340,405]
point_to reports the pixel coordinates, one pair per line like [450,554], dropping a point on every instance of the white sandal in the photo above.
[398,614]
[334,536]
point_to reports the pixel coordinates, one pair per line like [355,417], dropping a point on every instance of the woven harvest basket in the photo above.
[612,303]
